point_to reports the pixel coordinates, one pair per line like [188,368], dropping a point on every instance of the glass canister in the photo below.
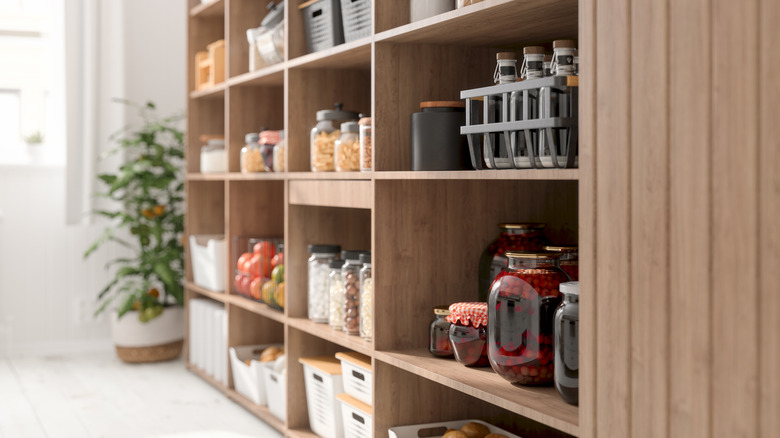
[350,276]
[513,237]
[347,148]
[439,337]
[570,259]
[520,310]
[213,158]
[280,151]
[524,105]
[336,295]
[267,141]
[567,338]
[319,270]
[251,158]
[468,333]
[561,104]
[366,298]
[324,136]
[366,145]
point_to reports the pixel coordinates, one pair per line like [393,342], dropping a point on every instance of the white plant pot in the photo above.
[160,339]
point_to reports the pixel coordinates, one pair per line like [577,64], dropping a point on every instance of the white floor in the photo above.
[96,395]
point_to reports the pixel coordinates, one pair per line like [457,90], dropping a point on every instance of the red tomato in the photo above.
[243,260]
[254,266]
[265,266]
[245,282]
[277,260]
[265,249]
[237,282]
[254,288]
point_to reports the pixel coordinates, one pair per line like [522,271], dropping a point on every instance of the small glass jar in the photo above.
[319,269]
[567,338]
[560,103]
[513,237]
[251,157]
[347,148]
[439,337]
[336,295]
[366,145]
[324,136]
[350,276]
[213,158]
[570,259]
[267,141]
[520,310]
[280,152]
[468,333]
[366,298]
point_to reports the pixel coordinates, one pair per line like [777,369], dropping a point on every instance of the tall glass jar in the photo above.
[350,276]
[439,337]
[570,259]
[513,237]
[347,148]
[324,136]
[524,105]
[366,299]
[319,269]
[336,295]
[567,338]
[366,145]
[267,141]
[251,157]
[280,151]
[520,310]
[468,333]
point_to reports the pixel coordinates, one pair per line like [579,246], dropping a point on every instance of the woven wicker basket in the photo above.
[155,353]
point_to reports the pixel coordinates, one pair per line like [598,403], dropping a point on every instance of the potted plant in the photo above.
[146,294]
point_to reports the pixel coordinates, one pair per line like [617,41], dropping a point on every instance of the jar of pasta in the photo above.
[324,136]
[347,148]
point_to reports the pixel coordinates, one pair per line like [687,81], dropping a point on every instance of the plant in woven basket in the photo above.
[148,191]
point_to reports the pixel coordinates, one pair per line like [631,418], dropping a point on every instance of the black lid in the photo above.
[280,247]
[275,15]
[352,254]
[336,264]
[324,248]
[365,258]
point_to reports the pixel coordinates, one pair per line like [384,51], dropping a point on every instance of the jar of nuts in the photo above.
[570,260]
[468,333]
[251,157]
[366,145]
[324,136]
[319,271]
[366,298]
[513,237]
[347,148]
[350,276]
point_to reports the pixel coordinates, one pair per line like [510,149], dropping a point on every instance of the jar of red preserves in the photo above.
[468,333]
[521,309]
[570,259]
[513,237]
[439,339]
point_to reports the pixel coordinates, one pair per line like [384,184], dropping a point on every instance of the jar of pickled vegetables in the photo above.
[570,260]
[324,136]
[513,237]
[521,307]
[439,338]
[336,295]
[366,298]
[468,333]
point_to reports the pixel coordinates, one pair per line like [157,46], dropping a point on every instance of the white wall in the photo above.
[47,291]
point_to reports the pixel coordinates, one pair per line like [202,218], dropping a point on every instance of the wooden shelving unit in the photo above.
[426,230]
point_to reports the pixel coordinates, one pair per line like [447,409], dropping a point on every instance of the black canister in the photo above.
[436,140]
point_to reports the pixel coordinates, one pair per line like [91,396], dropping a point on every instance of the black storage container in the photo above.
[436,140]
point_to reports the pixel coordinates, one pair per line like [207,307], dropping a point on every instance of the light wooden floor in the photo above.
[96,395]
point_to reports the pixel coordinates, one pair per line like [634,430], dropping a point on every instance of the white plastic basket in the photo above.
[276,391]
[208,255]
[356,416]
[356,370]
[436,430]
[322,377]
[248,379]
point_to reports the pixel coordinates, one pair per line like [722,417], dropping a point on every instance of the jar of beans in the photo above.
[570,260]
[350,276]
[347,148]
[366,145]
[439,338]
[319,270]
[567,337]
[336,295]
[324,136]
[366,298]
[468,333]
[513,237]
[520,310]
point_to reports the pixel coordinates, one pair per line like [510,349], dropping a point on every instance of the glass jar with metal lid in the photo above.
[567,337]
[267,141]
[570,260]
[324,136]
[347,148]
[251,157]
[336,295]
[319,270]
[280,152]
[439,336]
[521,307]
[514,237]
[468,333]
[350,276]
[366,298]
[366,145]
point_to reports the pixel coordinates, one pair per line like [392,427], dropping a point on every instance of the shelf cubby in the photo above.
[252,107]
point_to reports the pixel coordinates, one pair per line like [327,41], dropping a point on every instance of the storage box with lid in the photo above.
[322,21]
[248,378]
[356,416]
[207,253]
[357,372]
[323,381]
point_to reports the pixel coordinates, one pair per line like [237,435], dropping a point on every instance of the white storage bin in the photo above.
[356,416]
[275,390]
[322,377]
[356,370]
[436,430]
[248,379]
[208,255]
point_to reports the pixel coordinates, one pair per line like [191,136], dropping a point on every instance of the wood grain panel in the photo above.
[241,15]
[250,109]
[346,194]
[389,14]
[613,201]
[690,126]
[208,198]
[735,218]
[204,116]
[649,218]
[256,208]
[769,189]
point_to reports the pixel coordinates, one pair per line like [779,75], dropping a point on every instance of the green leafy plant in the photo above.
[149,192]
[34,138]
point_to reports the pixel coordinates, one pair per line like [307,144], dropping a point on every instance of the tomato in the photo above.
[254,288]
[243,260]
[154,292]
[254,266]
[265,249]
[245,282]
[265,266]
[277,260]
[237,282]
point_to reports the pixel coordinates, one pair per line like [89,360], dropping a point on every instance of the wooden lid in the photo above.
[564,44]
[358,359]
[326,364]
[357,404]
[533,50]
[443,104]
[506,55]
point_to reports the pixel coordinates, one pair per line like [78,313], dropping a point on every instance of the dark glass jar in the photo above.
[468,333]
[567,338]
[439,338]
[521,307]
[513,237]
[570,259]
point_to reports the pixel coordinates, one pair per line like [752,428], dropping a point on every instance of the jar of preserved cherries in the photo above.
[567,337]
[513,237]
[468,333]
[521,307]
[439,339]
[570,259]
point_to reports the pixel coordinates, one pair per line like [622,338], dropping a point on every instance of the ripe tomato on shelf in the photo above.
[277,260]
[254,266]
[237,282]
[243,262]
[254,288]
[265,249]
[245,282]
[265,267]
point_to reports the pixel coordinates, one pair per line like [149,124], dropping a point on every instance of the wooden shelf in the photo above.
[217,296]
[195,176]
[329,175]
[261,412]
[332,193]
[257,308]
[301,433]
[355,54]
[323,331]
[268,76]
[491,23]
[524,174]
[542,404]
[215,8]
[256,176]
[215,92]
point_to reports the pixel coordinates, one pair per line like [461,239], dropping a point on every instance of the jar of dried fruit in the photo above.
[468,333]
[439,337]
[324,136]
[513,237]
